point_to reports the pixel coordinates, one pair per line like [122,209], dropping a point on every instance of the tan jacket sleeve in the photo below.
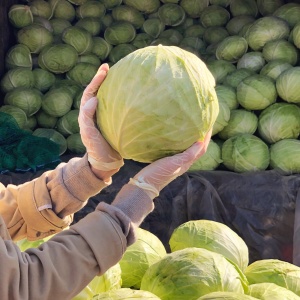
[61,267]
[45,205]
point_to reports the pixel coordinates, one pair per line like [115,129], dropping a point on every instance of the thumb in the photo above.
[89,107]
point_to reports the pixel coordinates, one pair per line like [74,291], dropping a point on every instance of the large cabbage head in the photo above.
[155,102]
[190,273]
[276,271]
[213,236]
[147,250]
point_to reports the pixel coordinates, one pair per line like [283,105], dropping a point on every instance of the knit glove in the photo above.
[104,160]
[154,177]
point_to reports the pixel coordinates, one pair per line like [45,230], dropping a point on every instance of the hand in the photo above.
[103,159]
[154,177]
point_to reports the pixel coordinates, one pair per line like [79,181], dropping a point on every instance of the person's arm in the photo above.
[61,267]
[46,205]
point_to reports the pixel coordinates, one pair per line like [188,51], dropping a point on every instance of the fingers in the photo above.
[91,90]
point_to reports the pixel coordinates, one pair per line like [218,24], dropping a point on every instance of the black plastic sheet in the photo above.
[259,206]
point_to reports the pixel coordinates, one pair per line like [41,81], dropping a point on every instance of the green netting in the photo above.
[21,151]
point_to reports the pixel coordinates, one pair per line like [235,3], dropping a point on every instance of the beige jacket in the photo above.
[64,265]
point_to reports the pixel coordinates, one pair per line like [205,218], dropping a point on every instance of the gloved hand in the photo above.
[104,160]
[154,177]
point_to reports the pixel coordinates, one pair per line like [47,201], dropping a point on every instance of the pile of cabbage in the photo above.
[251,47]
[207,260]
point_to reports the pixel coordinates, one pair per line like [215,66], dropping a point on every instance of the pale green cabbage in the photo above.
[213,236]
[155,102]
[271,291]
[276,271]
[190,273]
[147,250]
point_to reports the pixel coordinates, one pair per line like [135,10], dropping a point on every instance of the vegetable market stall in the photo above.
[260,205]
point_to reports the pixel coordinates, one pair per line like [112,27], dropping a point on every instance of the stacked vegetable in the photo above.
[208,260]
[250,46]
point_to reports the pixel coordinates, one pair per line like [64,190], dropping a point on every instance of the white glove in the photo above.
[104,160]
[154,177]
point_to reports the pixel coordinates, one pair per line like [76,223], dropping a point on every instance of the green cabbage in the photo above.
[155,102]
[147,250]
[276,271]
[190,273]
[213,236]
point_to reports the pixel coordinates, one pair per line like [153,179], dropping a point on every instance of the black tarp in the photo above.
[259,206]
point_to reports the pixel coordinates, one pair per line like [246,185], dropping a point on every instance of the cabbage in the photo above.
[214,15]
[235,24]
[190,273]
[276,271]
[290,12]
[58,58]
[284,156]
[253,61]
[28,99]
[147,250]
[91,8]
[111,280]
[82,73]
[215,34]
[43,79]
[153,27]
[213,236]
[268,7]
[171,14]
[54,136]
[271,291]
[280,50]
[79,38]
[74,143]
[101,47]
[256,92]
[57,102]
[287,85]
[41,8]
[35,37]
[232,48]
[119,52]
[279,121]
[234,78]
[171,103]
[17,77]
[220,69]
[68,123]
[210,160]
[18,56]
[119,33]
[227,95]
[17,113]
[44,120]
[20,15]
[274,68]
[62,9]
[90,24]
[265,29]
[245,153]
[193,8]
[145,6]
[241,121]
[125,293]
[222,118]
[243,8]
[128,14]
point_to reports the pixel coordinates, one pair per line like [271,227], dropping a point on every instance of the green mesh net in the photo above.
[21,151]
